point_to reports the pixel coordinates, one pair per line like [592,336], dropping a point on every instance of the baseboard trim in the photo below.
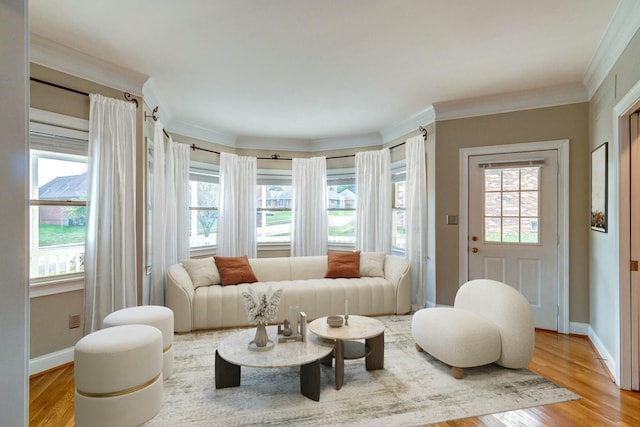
[579,328]
[50,361]
[608,361]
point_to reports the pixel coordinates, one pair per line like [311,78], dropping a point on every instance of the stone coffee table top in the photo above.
[234,349]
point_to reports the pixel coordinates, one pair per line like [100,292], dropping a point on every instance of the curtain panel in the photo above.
[237,210]
[169,228]
[110,261]
[309,210]
[416,216]
[373,201]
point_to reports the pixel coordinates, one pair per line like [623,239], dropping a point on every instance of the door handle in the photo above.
[474,250]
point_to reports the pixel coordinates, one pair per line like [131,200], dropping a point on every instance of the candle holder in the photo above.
[346,320]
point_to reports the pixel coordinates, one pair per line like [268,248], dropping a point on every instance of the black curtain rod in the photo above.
[154,116]
[127,95]
[277,156]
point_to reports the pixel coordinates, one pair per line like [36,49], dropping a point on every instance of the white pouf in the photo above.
[152,315]
[118,376]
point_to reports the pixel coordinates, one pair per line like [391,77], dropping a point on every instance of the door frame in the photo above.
[562,147]
[622,162]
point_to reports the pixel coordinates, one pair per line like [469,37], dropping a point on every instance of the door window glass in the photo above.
[511,205]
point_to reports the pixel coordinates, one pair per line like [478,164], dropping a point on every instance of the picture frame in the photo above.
[599,188]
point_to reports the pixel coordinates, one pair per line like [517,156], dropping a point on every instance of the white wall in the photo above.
[14,332]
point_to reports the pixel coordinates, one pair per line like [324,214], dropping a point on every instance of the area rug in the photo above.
[412,389]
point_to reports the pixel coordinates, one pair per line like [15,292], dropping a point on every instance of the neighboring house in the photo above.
[72,187]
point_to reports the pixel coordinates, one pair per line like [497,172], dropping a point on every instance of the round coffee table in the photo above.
[233,352]
[346,346]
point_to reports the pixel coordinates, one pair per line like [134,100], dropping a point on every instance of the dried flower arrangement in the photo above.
[264,308]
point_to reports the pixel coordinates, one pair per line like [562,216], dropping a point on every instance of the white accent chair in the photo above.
[490,322]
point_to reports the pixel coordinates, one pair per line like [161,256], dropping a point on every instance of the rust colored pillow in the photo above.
[234,270]
[343,264]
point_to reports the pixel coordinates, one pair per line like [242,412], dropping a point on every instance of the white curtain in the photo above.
[237,219]
[110,261]
[169,228]
[309,211]
[416,218]
[373,208]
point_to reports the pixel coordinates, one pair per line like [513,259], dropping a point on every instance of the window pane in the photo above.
[510,179]
[57,176]
[492,204]
[510,203]
[529,203]
[529,230]
[399,232]
[492,179]
[57,235]
[510,229]
[492,230]
[398,193]
[529,178]
[342,213]
[342,226]
[203,222]
[273,216]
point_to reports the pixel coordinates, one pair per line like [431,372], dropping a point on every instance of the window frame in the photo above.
[45,124]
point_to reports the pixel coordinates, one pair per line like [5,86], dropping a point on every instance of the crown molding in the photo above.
[248,142]
[199,132]
[515,101]
[408,125]
[151,97]
[622,28]
[342,142]
[70,61]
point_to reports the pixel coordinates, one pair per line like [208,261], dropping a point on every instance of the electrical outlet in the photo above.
[74,321]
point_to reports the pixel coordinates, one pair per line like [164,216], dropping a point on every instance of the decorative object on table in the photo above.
[292,331]
[294,311]
[261,310]
[599,188]
[335,321]
[303,326]
[346,312]
[286,331]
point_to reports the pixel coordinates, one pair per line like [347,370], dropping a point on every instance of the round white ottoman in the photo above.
[118,376]
[152,315]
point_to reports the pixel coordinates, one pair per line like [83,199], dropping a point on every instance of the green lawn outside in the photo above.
[56,235]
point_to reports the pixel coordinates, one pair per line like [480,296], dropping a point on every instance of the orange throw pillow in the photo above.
[343,264]
[234,270]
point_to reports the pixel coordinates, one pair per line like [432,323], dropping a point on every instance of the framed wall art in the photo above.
[599,189]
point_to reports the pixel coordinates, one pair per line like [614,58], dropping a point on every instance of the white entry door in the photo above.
[513,226]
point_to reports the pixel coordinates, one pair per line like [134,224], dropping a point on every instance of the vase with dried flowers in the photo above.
[261,309]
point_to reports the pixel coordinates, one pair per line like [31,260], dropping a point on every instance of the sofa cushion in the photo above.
[343,265]
[372,264]
[235,270]
[203,271]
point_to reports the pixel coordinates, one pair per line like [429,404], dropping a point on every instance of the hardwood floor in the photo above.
[568,360]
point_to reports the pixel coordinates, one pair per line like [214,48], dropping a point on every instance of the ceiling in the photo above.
[331,69]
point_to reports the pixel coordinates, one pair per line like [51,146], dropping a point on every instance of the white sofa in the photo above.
[199,301]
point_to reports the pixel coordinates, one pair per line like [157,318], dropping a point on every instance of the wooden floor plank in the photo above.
[568,360]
